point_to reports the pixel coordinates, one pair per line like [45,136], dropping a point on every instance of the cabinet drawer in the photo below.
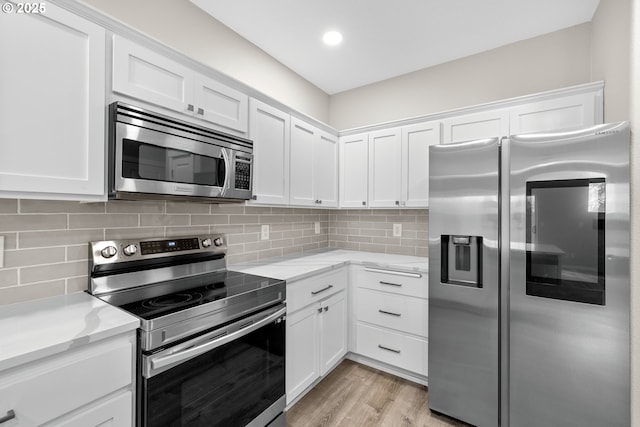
[399,282]
[307,291]
[405,314]
[47,389]
[393,348]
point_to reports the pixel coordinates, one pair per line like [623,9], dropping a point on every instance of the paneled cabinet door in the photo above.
[385,166]
[333,336]
[354,170]
[486,124]
[560,114]
[325,170]
[270,132]
[52,106]
[302,365]
[219,104]
[303,142]
[416,140]
[151,77]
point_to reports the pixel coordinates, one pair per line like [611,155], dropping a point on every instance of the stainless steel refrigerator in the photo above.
[529,279]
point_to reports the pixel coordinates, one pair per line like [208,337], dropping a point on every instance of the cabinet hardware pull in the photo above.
[190,107]
[326,308]
[320,310]
[321,290]
[254,197]
[201,111]
[390,313]
[394,272]
[10,415]
[397,202]
[364,203]
[388,349]
[390,284]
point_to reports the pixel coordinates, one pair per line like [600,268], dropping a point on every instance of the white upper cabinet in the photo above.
[314,159]
[325,170]
[467,127]
[416,140]
[270,133]
[385,166]
[354,170]
[151,77]
[560,114]
[52,106]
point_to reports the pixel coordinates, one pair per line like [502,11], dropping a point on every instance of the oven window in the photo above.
[147,161]
[565,240]
[228,386]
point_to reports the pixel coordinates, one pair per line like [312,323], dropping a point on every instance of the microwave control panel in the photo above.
[243,176]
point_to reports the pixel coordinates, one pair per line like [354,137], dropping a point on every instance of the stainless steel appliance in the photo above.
[155,156]
[211,341]
[529,279]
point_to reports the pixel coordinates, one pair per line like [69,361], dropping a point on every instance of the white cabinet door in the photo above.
[325,170]
[270,133]
[561,114]
[486,124]
[302,365]
[385,163]
[354,170]
[333,335]
[303,142]
[151,77]
[115,412]
[416,140]
[52,106]
[219,104]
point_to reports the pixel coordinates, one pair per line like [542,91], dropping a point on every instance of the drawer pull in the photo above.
[390,284]
[388,349]
[321,290]
[10,415]
[389,313]
[397,273]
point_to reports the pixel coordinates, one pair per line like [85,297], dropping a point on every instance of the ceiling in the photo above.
[385,38]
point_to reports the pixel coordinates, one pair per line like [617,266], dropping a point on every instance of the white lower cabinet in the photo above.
[391,317]
[316,329]
[89,386]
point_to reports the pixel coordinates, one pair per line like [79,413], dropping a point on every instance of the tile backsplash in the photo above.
[46,252]
[372,230]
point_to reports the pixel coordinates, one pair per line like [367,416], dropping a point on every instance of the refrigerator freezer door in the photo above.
[463,307]
[569,279]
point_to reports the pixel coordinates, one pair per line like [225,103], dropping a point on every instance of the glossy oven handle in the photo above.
[157,363]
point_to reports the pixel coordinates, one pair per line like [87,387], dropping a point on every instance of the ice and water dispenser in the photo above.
[461,260]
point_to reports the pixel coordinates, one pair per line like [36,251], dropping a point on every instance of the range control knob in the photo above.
[109,251]
[206,243]
[218,241]
[130,250]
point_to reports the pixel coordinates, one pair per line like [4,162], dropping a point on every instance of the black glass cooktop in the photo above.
[150,302]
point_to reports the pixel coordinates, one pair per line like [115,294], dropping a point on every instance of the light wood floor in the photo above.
[356,395]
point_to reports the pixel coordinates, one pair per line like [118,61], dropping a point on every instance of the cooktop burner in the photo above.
[166,298]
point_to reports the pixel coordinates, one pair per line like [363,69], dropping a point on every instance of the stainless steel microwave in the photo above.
[152,156]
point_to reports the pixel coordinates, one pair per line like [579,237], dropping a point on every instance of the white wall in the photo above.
[543,63]
[184,27]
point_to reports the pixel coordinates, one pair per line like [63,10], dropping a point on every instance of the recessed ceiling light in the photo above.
[332,38]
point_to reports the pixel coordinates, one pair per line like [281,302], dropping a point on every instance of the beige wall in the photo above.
[610,59]
[184,27]
[543,63]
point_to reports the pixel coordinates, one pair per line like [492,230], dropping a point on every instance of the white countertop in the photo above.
[298,266]
[44,327]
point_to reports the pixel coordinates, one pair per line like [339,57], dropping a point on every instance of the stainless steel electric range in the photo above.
[211,341]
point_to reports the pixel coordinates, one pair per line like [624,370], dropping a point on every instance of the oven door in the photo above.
[231,376]
[149,161]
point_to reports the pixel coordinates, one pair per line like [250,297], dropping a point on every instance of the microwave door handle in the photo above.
[160,363]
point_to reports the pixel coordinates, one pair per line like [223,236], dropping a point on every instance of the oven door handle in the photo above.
[159,363]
